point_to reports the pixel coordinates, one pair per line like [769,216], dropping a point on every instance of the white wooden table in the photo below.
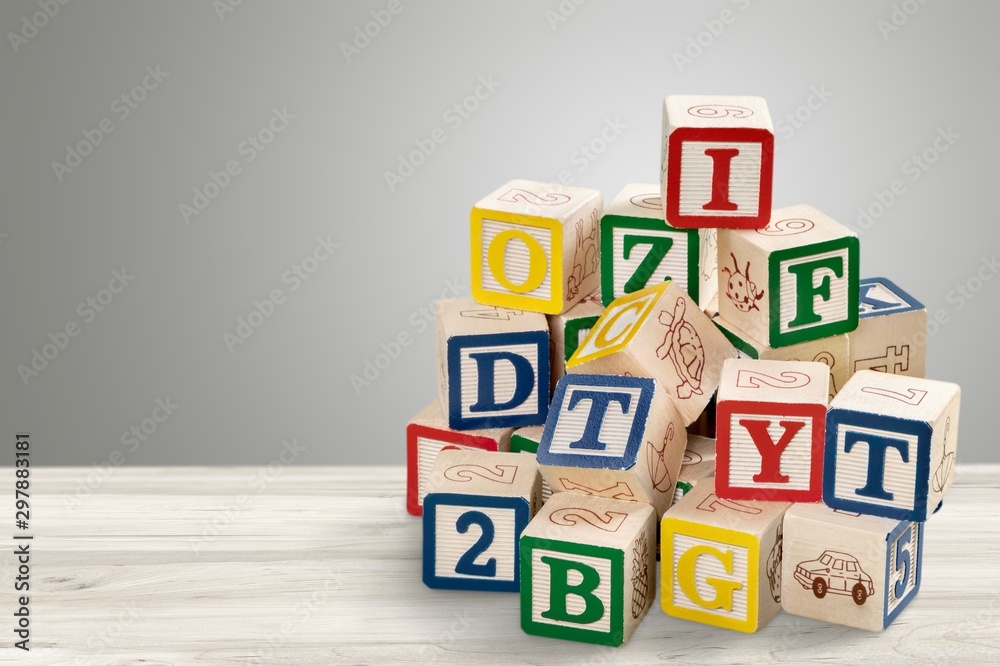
[321,565]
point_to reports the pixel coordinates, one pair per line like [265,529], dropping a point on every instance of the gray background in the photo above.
[888,96]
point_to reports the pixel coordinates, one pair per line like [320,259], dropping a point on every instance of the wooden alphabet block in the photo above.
[892,331]
[427,434]
[639,249]
[717,161]
[526,440]
[534,246]
[890,445]
[493,365]
[792,281]
[697,465]
[588,569]
[568,330]
[847,568]
[476,508]
[770,430]
[613,436]
[834,352]
[658,332]
[721,560]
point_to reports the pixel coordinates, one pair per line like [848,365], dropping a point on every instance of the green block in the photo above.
[638,248]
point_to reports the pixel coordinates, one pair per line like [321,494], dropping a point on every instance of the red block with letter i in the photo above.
[716,162]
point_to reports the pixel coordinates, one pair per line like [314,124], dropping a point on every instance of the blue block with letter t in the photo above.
[890,445]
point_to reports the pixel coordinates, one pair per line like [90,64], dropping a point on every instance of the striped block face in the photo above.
[639,249]
[721,560]
[477,506]
[771,421]
[493,371]
[717,161]
[793,281]
[588,569]
[891,443]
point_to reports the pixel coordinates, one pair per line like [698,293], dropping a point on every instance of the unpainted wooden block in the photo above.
[833,351]
[848,568]
[770,430]
[493,365]
[476,508]
[639,249]
[890,445]
[792,281]
[697,465]
[588,569]
[613,436]
[427,434]
[721,560]
[534,246]
[658,332]
[892,331]
[526,440]
[568,330]
[717,161]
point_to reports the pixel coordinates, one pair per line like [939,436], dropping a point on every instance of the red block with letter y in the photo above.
[770,430]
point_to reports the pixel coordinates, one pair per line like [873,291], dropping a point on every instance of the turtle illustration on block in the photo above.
[683,346]
[640,575]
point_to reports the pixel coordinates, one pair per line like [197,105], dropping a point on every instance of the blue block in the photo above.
[498,380]
[904,565]
[876,464]
[471,542]
[596,421]
[881,296]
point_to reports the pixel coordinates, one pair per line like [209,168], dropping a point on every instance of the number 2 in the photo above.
[467,563]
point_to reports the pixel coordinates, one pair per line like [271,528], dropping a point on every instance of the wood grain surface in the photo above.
[321,565]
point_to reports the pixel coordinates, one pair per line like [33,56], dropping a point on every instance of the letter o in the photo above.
[496,257]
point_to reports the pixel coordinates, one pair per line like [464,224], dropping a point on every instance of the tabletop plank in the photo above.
[321,565]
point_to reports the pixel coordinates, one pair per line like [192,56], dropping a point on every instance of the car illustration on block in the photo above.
[837,573]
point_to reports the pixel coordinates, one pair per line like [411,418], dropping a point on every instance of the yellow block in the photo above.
[620,322]
[517,242]
[709,574]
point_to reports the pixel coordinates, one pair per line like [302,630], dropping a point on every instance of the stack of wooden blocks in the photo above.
[685,375]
